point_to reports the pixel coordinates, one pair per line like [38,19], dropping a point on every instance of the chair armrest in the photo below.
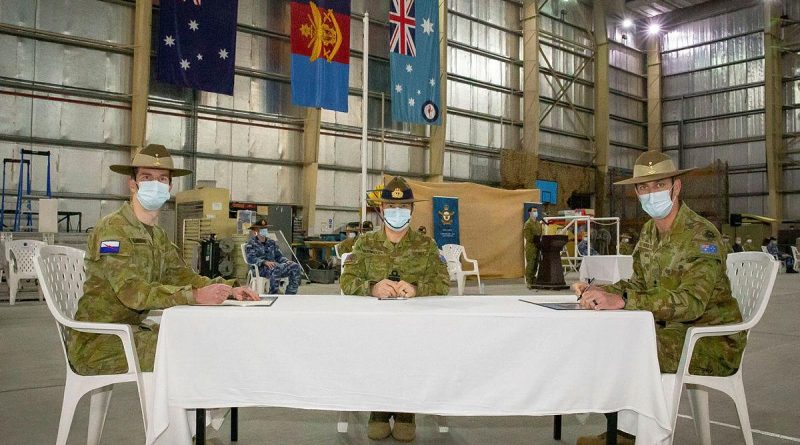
[473,262]
[123,331]
[698,332]
[12,261]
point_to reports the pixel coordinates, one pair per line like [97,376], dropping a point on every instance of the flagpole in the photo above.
[364,118]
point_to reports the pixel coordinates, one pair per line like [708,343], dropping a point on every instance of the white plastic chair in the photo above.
[796,259]
[61,274]
[752,275]
[454,253]
[259,284]
[20,264]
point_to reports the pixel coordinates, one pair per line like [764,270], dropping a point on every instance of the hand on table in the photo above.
[385,288]
[244,293]
[579,287]
[405,289]
[212,294]
[596,298]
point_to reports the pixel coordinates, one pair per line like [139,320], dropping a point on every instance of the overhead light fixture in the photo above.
[627,23]
[653,28]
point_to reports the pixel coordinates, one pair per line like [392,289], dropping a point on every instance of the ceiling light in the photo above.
[627,23]
[653,28]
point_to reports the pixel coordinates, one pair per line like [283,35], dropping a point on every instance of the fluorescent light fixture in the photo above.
[627,23]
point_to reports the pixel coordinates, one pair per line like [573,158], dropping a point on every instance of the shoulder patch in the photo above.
[109,247]
[708,248]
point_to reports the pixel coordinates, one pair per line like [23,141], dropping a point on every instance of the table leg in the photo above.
[234,424]
[611,428]
[200,426]
[557,427]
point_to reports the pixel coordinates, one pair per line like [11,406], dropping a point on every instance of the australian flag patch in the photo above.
[109,247]
[708,248]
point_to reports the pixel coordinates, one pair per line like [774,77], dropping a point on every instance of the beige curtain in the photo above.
[491,223]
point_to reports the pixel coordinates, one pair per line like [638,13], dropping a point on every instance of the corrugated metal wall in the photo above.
[791,104]
[713,100]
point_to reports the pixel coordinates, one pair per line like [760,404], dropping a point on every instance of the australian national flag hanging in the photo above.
[197,44]
[414,60]
[321,53]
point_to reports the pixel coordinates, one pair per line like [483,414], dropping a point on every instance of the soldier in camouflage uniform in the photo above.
[346,246]
[395,262]
[271,263]
[132,267]
[531,231]
[625,244]
[679,276]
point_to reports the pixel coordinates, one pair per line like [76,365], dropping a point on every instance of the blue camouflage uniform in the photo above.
[258,252]
[788,261]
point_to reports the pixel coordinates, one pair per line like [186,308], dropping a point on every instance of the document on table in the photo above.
[557,306]
[264,300]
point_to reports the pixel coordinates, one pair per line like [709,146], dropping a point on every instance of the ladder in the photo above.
[7,161]
[24,174]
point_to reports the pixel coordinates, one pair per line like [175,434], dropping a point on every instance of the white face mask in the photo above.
[657,204]
[351,234]
[152,194]
[264,232]
[397,218]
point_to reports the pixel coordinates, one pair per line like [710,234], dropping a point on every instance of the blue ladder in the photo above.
[27,197]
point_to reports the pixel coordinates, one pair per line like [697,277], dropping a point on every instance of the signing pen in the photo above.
[589,284]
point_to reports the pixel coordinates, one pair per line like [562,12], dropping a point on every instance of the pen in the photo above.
[589,282]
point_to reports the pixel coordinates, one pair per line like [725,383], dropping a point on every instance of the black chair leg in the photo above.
[234,424]
[611,428]
[557,427]
[200,426]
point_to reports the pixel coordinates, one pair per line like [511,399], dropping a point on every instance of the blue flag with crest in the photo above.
[414,61]
[196,44]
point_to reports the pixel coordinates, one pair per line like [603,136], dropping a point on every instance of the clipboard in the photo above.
[558,306]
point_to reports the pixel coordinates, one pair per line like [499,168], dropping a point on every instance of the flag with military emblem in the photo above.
[196,44]
[414,61]
[320,39]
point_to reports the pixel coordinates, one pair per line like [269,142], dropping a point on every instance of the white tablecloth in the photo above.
[454,356]
[606,268]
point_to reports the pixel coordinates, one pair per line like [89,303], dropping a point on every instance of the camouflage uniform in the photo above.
[415,258]
[136,269]
[258,252]
[680,277]
[626,248]
[532,230]
[346,246]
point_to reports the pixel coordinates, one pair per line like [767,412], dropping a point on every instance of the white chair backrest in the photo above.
[764,249]
[341,267]
[23,252]
[794,252]
[452,252]
[752,276]
[61,274]
[244,252]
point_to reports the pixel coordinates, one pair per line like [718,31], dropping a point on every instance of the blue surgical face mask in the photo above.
[152,194]
[264,232]
[657,204]
[397,218]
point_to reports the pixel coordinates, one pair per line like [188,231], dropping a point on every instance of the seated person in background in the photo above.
[395,262]
[737,245]
[749,246]
[346,246]
[583,246]
[625,245]
[132,267]
[726,244]
[271,263]
[678,275]
[772,249]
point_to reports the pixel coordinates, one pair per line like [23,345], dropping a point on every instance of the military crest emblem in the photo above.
[397,193]
[323,33]
[446,215]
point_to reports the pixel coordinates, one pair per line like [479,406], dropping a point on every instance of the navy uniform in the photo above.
[260,251]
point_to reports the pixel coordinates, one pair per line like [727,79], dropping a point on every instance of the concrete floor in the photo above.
[32,379]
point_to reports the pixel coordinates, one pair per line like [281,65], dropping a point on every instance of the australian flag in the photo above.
[414,60]
[197,44]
